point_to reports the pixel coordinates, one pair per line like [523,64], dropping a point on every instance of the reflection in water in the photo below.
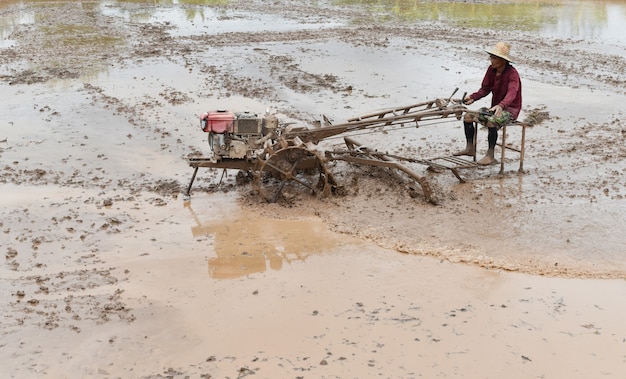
[247,243]
[582,19]
[148,2]
[604,20]
[10,21]
[87,38]
[189,12]
[174,2]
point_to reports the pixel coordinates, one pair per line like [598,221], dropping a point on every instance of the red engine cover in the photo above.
[220,121]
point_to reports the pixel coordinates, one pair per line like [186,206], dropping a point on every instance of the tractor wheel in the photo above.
[288,172]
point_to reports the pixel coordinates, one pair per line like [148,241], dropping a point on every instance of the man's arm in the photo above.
[485,87]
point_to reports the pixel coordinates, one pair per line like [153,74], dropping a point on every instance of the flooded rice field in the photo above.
[108,94]
[101,103]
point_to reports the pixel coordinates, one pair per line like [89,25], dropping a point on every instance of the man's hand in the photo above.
[497,110]
[468,101]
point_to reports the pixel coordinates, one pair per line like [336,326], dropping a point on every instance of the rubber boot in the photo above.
[488,159]
[469,150]
[469,137]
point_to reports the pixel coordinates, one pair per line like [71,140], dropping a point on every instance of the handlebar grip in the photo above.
[455,91]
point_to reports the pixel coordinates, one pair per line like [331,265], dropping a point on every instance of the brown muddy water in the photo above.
[109,273]
[264,243]
[107,100]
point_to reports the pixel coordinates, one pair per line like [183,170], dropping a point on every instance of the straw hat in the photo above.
[502,50]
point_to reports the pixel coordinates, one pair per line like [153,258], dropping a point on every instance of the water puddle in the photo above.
[190,21]
[605,20]
[10,21]
[246,243]
[26,196]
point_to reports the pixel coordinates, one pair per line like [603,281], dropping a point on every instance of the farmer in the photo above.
[503,82]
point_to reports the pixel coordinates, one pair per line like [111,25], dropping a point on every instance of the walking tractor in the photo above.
[282,158]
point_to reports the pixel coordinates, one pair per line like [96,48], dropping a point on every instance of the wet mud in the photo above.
[134,83]
[100,113]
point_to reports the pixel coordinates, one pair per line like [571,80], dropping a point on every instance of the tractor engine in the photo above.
[237,135]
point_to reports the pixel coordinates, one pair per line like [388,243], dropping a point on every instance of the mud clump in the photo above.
[536,116]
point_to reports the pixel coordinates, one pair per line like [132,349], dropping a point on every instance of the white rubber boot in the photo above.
[488,159]
[469,150]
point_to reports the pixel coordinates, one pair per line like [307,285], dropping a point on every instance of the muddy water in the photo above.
[129,123]
[602,20]
[108,272]
[598,20]
[246,243]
